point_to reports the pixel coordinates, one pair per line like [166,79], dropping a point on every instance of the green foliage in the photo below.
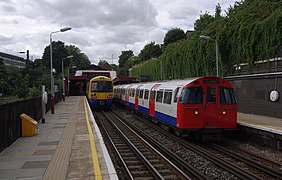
[205,20]
[10,99]
[250,31]
[124,63]
[34,92]
[149,51]
[173,36]
[124,57]
[58,53]
[79,59]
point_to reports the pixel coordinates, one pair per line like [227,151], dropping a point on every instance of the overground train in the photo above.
[205,106]
[100,92]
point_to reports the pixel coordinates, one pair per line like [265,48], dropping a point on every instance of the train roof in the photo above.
[173,84]
[101,78]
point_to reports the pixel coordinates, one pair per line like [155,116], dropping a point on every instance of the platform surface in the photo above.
[61,148]
[265,123]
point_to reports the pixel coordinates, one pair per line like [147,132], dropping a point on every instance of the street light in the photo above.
[27,56]
[63,74]
[51,67]
[216,50]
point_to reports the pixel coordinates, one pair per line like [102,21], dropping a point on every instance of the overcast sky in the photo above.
[100,28]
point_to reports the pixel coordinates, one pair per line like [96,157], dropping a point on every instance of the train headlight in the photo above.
[109,96]
[196,112]
[223,112]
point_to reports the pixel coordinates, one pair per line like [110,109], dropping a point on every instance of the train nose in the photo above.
[101,103]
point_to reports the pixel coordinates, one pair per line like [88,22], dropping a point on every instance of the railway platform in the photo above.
[67,146]
[269,124]
[263,130]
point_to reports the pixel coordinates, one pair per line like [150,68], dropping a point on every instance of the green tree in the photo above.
[123,62]
[149,51]
[5,87]
[115,67]
[124,57]
[58,53]
[79,59]
[205,20]
[173,36]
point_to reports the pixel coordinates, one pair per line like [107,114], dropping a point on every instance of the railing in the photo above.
[10,121]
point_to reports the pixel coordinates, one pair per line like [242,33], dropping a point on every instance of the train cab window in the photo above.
[141,93]
[159,97]
[227,96]
[191,95]
[104,86]
[211,95]
[146,95]
[175,94]
[94,87]
[167,96]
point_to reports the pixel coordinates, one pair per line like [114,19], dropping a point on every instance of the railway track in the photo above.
[235,163]
[139,159]
[248,161]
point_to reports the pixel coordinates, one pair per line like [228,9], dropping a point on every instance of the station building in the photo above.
[12,60]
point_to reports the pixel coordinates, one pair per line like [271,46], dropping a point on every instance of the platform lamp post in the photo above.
[63,75]
[51,68]
[27,57]
[216,50]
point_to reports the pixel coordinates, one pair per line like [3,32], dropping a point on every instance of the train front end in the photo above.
[207,104]
[100,92]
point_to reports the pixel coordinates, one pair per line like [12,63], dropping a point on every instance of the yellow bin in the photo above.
[28,126]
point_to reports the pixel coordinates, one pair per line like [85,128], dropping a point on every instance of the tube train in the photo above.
[100,92]
[205,106]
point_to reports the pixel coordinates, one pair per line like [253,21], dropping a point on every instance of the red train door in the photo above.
[152,100]
[136,97]
[211,106]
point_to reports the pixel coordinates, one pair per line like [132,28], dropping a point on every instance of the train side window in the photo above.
[159,97]
[137,92]
[227,96]
[146,95]
[191,95]
[141,94]
[175,94]
[133,92]
[167,96]
[211,95]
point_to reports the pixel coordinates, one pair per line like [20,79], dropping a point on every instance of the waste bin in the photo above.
[28,126]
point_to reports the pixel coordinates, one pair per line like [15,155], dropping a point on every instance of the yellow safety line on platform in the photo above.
[97,171]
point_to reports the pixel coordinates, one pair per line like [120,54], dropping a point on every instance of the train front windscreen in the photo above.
[102,86]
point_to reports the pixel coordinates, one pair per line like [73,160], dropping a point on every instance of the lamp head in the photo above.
[205,37]
[65,29]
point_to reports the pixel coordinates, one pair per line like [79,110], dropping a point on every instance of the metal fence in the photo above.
[10,121]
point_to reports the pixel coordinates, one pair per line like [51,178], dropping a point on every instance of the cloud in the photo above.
[101,29]
[4,39]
